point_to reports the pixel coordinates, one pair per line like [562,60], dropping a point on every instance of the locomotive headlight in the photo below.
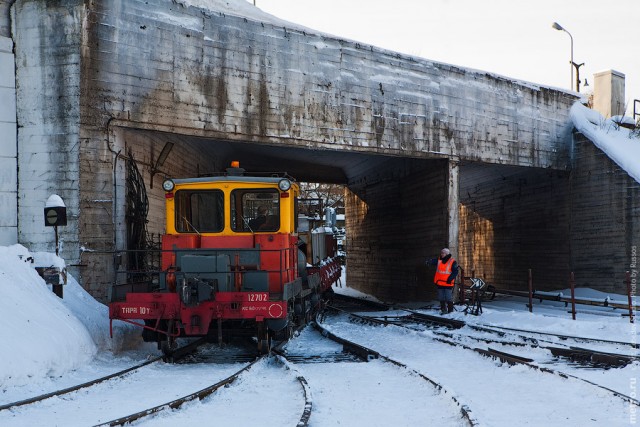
[284,185]
[168,185]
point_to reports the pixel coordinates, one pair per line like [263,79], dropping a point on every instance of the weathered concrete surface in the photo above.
[8,146]
[514,219]
[5,19]
[605,219]
[584,221]
[91,73]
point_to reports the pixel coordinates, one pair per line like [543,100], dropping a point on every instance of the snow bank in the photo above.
[615,141]
[40,335]
[44,335]
[95,317]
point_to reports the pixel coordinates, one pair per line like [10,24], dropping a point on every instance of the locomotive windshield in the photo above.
[255,210]
[199,211]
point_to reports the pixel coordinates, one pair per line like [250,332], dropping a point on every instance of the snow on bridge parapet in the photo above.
[617,142]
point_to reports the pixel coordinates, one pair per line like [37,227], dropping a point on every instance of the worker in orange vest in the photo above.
[446,272]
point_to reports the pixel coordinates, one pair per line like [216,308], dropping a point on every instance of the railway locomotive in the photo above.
[233,263]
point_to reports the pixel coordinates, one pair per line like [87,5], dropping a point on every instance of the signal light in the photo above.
[235,164]
[168,185]
[284,184]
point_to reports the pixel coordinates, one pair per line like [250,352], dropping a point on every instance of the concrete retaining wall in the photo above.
[513,220]
[605,219]
[8,146]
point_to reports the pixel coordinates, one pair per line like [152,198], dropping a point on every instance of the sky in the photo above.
[55,343]
[513,38]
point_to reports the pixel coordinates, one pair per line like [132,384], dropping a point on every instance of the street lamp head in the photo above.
[557,26]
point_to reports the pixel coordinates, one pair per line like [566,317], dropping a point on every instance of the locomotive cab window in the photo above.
[255,210]
[200,211]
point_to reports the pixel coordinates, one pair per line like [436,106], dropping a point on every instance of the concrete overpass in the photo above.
[432,154]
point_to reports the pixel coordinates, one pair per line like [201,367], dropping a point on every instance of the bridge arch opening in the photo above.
[399,211]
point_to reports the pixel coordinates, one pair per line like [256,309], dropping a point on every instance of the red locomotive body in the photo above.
[231,264]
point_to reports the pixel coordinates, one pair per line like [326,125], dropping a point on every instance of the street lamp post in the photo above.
[572,63]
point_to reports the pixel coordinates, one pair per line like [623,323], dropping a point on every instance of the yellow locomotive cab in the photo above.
[231,205]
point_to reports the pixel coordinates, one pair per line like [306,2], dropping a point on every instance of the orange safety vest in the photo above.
[443,271]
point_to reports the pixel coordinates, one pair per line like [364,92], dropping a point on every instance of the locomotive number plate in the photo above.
[258,296]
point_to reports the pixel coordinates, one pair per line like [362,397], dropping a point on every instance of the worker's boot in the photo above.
[450,306]
[443,307]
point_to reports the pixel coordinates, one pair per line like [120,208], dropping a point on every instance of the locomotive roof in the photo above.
[231,178]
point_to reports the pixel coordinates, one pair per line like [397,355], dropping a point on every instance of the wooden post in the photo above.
[572,283]
[628,280]
[530,292]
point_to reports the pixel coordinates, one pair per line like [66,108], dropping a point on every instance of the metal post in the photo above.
[571,64]
[560,28]
[628,280]
[55,229]
[461,289]
[530,292]
[572,283]
[57,289]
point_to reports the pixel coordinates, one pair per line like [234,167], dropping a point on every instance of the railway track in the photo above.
[439,326]
[177,403]
[179,354]
[535,339]
[81,398]
[353,352]
[62,392]
[209,390]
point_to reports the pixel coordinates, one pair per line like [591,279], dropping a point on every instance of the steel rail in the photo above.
[77,387]
[623,343]
[176,355]
[595,357]
[456,324]
[306,390]
[368,354]
[207,391]
[514,359]
[176,403]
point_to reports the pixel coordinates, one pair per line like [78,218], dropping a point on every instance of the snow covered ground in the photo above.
[49,343]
